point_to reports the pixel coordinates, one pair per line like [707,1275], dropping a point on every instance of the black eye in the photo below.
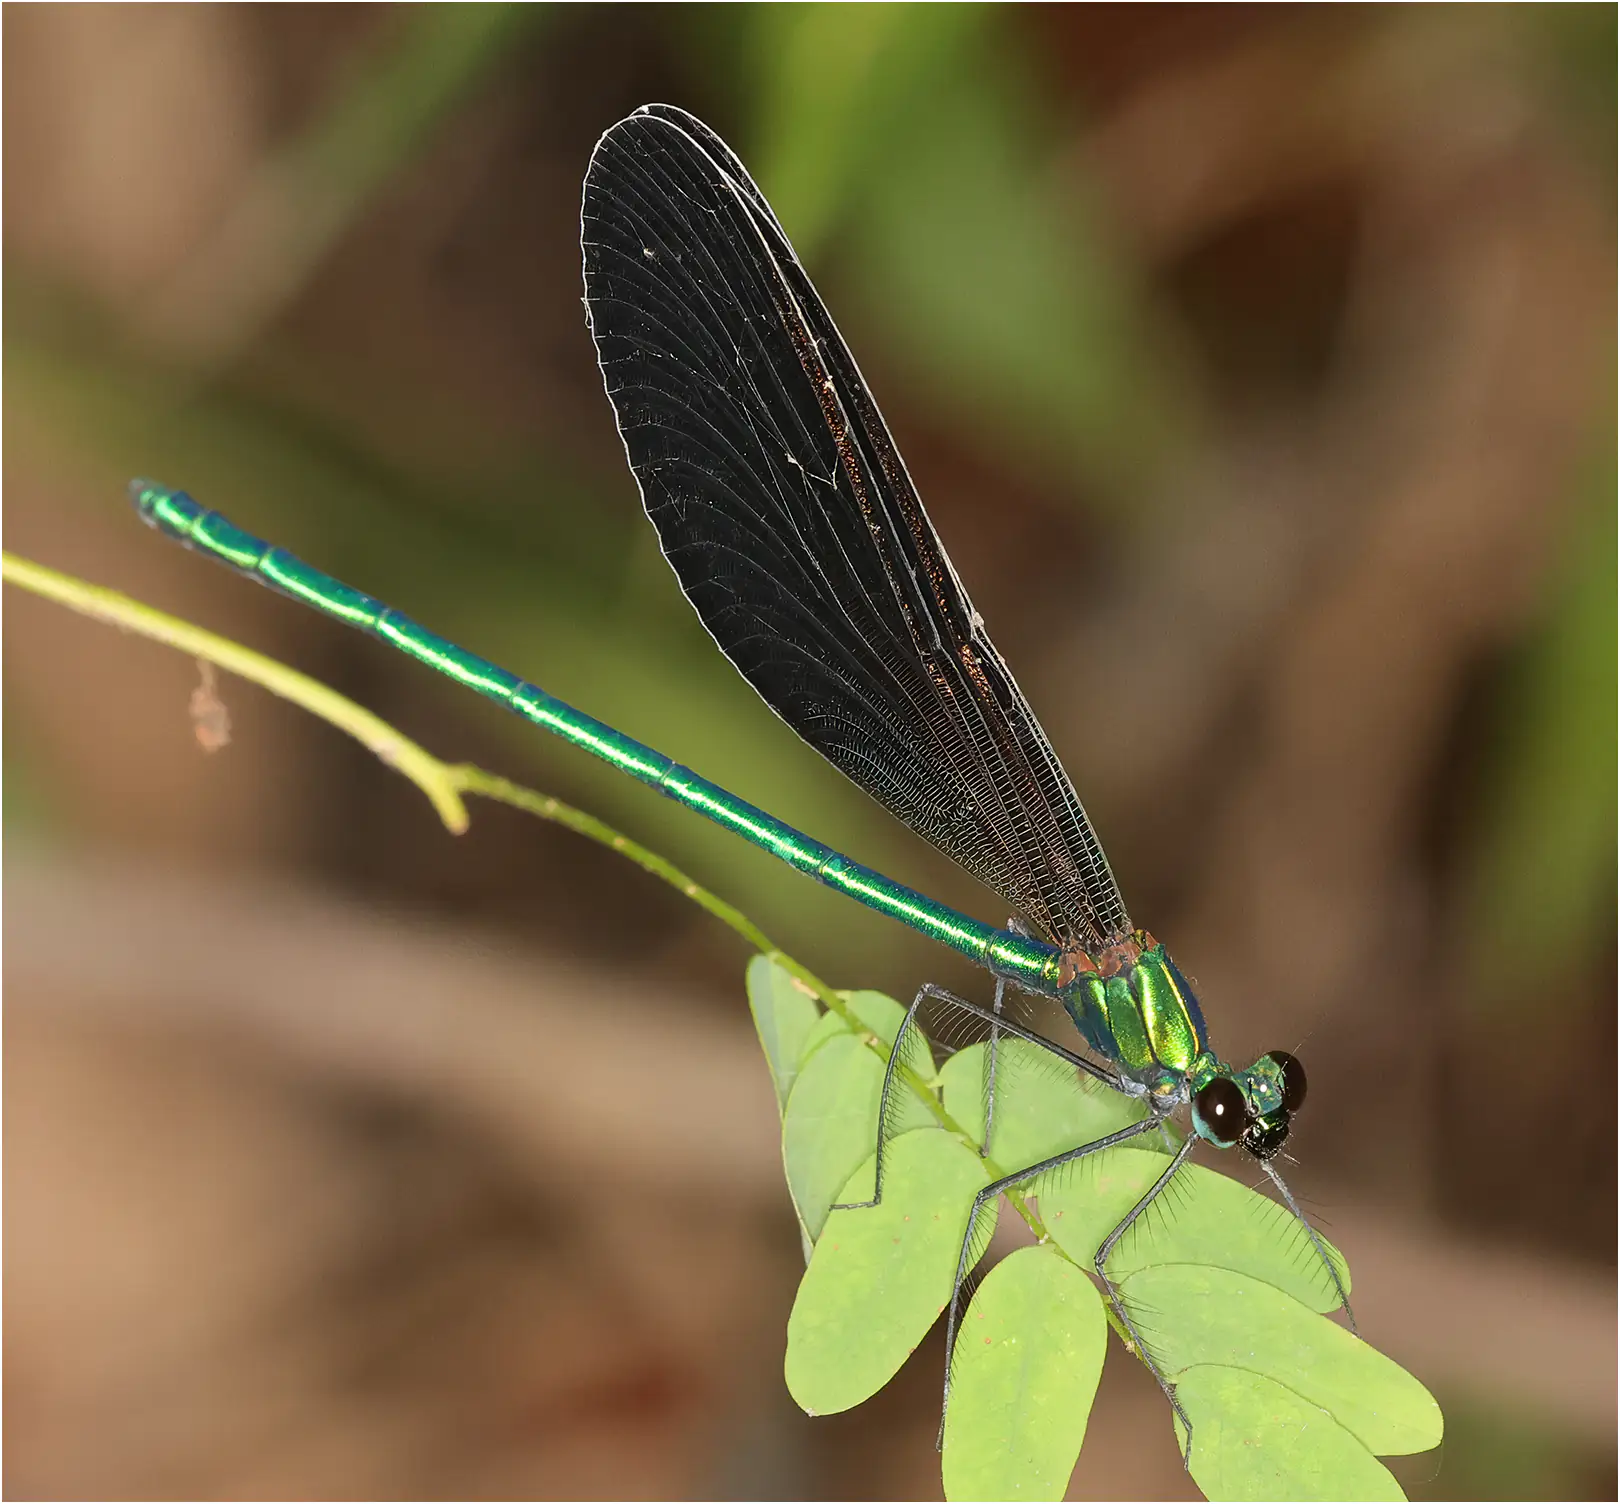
[1220,1108]
[1293,1079]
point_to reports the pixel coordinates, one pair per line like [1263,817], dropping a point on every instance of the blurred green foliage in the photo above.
[1576,44]
[1544,834]
[931,150]
[392,102]
[916,149]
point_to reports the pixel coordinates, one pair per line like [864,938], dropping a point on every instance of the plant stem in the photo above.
[445,783]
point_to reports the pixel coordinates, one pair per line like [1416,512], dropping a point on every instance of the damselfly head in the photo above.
[1253,1107]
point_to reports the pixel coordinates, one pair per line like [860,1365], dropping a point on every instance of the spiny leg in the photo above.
[1018,1031]
[965,1261]
[992,1051]
[886,1095]
[1118,1303]
[991,1054]
[974,1010]
[1316,1242]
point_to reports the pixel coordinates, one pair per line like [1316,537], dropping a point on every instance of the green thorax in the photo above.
[1133,1007]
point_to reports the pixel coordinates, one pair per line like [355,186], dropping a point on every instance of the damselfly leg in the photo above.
[1316,1242]
[1001,1026]
[972,1249]
[1117,1301]
[973,1242]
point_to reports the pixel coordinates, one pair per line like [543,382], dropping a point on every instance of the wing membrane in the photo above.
[795,531]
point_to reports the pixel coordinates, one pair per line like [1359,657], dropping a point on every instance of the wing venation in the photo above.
[795,531]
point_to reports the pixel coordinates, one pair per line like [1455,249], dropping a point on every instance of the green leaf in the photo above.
[1255,1439]
[1201,1217]
[830,1125]
[828,1026]
[1043,1105]
[1025,1372]
[880,1276]
[883,1016]
[1195,1315]
[1223,1283]
[784,1016]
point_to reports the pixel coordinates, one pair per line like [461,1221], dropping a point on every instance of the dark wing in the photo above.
[795,531]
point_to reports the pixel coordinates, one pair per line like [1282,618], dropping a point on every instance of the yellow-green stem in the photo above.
[445,783]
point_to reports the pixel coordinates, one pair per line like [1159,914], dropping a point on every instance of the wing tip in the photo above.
[664,114]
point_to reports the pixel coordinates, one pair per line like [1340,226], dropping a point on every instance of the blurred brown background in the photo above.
[1257,365]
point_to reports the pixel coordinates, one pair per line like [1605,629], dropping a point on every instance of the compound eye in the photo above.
[1293,1079]
[1221,1110]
